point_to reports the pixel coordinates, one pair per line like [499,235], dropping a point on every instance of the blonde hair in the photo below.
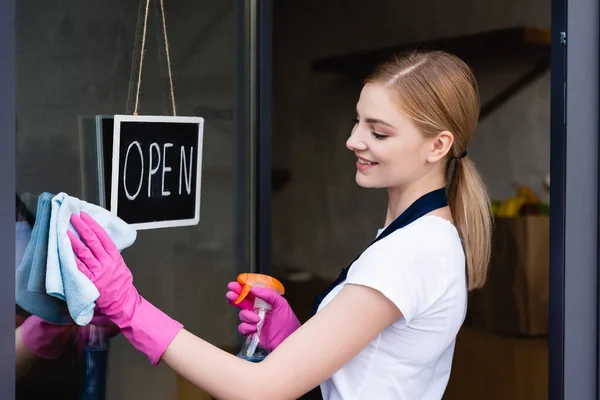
[439,93]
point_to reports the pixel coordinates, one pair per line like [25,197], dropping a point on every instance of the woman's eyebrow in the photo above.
[378,121]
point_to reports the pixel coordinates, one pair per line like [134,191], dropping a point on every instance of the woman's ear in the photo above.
[440,146]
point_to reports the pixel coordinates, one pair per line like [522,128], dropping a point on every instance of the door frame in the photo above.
[7,197]
[264,122]
[254,122]
[573,329]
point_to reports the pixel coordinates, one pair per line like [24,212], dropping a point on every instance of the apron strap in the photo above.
[422,206]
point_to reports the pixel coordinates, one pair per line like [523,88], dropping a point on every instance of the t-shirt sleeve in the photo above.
[407,279]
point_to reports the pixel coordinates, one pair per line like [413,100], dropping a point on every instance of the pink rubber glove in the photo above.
[280,323]
[147,328]
[45,339]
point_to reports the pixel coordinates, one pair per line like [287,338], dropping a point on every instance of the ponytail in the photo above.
[470,206]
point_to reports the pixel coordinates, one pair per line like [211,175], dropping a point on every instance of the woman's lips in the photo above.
[363,164]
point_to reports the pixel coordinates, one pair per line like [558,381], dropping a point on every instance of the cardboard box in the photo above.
[498,367]
[515,298]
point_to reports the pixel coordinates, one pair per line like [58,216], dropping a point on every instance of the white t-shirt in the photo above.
[421,269]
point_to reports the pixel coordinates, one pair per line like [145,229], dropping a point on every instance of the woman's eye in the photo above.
[378,136]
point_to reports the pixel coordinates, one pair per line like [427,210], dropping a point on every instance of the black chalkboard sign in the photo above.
[156,170]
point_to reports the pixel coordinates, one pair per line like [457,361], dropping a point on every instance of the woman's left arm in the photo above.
[305,359]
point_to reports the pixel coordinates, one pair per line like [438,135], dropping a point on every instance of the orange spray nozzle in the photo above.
[248,281]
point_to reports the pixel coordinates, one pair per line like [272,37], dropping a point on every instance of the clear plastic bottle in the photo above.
[252,350]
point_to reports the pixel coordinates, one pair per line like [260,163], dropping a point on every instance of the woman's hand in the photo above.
[147,328]
[102,263]
[280,323]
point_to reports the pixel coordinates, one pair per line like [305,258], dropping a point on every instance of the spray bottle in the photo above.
[252,351]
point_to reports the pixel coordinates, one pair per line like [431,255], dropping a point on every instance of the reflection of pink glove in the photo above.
[147,328]
[280,323]
[45,339]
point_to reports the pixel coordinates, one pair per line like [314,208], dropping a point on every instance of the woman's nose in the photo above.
[355,142]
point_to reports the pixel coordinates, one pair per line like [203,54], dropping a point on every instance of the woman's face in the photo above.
[390,150]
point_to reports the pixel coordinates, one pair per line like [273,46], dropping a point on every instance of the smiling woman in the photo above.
[386,328]
[429,100]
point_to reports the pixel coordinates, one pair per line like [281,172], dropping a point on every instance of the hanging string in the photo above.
[142,52]
[136,43]
[162,9]
[161,58]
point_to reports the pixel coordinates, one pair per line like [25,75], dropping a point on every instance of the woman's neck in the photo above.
[400,198]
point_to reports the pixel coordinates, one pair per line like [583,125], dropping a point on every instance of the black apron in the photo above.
[422,206]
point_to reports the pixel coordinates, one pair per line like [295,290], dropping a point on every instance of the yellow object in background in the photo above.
[511,207]
[529,195]
[525,202]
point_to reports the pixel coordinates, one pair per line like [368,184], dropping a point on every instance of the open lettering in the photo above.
[158,167]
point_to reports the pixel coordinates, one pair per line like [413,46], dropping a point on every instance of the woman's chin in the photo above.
[366,182]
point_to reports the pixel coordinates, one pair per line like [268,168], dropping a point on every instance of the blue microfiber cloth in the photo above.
[34,259]
[63,278]
[37,275]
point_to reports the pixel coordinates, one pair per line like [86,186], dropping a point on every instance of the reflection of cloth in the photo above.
[22,236]
[34,261]
[63,279]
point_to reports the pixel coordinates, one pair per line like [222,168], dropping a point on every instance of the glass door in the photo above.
[77,65]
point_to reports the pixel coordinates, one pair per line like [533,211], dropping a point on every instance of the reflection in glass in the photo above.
[76,64]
